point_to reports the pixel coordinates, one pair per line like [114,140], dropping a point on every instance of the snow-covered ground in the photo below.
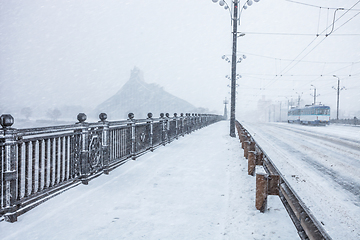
[197,187]
[322,164]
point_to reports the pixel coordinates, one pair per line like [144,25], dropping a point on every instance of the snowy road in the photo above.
[322,164]
[197,187]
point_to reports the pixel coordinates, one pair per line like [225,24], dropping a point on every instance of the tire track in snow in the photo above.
[339,215]
[343,181]
[345,142]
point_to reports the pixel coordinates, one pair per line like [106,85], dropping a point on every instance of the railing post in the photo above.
[133,136]
[198,122]
[150,121]
[191,123]
[176,126]
[8,142]
[163,124]
[84,148]
[167,129]
[182,128]
[105,141]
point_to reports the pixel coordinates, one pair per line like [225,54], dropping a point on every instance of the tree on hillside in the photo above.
[53,114]
[27,112]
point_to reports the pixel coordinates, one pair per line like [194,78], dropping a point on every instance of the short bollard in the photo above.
[251,163]
[259,159]
[246,149]
[242,141]
[261,192]
[265,185]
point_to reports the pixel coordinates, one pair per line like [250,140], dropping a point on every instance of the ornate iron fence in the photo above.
[39,163]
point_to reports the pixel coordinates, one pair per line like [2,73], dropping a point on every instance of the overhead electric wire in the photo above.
[346,21]
[329,73]
[310,5]
[311,43]
[305,61]
[302,34]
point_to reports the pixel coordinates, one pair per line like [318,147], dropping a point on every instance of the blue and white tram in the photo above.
[310,114]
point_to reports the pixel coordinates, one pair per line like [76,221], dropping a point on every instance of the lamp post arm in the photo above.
[227,6]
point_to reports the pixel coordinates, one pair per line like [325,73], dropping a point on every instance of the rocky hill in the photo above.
[139,97]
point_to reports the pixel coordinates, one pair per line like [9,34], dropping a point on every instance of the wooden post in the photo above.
[265,185]
[259,159]
[246,149]
[241,136]
[243,141]
[261,192]
[251,163]
[273,184]
[252,146]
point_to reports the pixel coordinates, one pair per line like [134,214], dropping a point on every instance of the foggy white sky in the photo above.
[55,53]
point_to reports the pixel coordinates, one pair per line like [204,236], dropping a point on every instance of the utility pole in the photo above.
[338,96]
[299,99]
[314,94]
[233,71]
[280,111]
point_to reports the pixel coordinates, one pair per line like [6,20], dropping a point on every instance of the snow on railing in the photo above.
[269,181]
[39,163]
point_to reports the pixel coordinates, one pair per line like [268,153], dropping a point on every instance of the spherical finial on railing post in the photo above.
[103,117]
[161,115]
[149,115]
[81,117]
[131,116]
[6,120]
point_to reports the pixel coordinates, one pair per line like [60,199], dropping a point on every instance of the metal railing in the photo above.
[39,163]
[272,182]
[351,121]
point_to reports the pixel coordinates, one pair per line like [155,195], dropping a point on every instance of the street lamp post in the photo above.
[314,94]
[235,19]
[233,71]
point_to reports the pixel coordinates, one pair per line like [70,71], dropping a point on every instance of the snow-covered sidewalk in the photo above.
[197,187]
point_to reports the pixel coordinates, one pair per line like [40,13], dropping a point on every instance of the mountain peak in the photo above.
[139,97]
[136,75]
